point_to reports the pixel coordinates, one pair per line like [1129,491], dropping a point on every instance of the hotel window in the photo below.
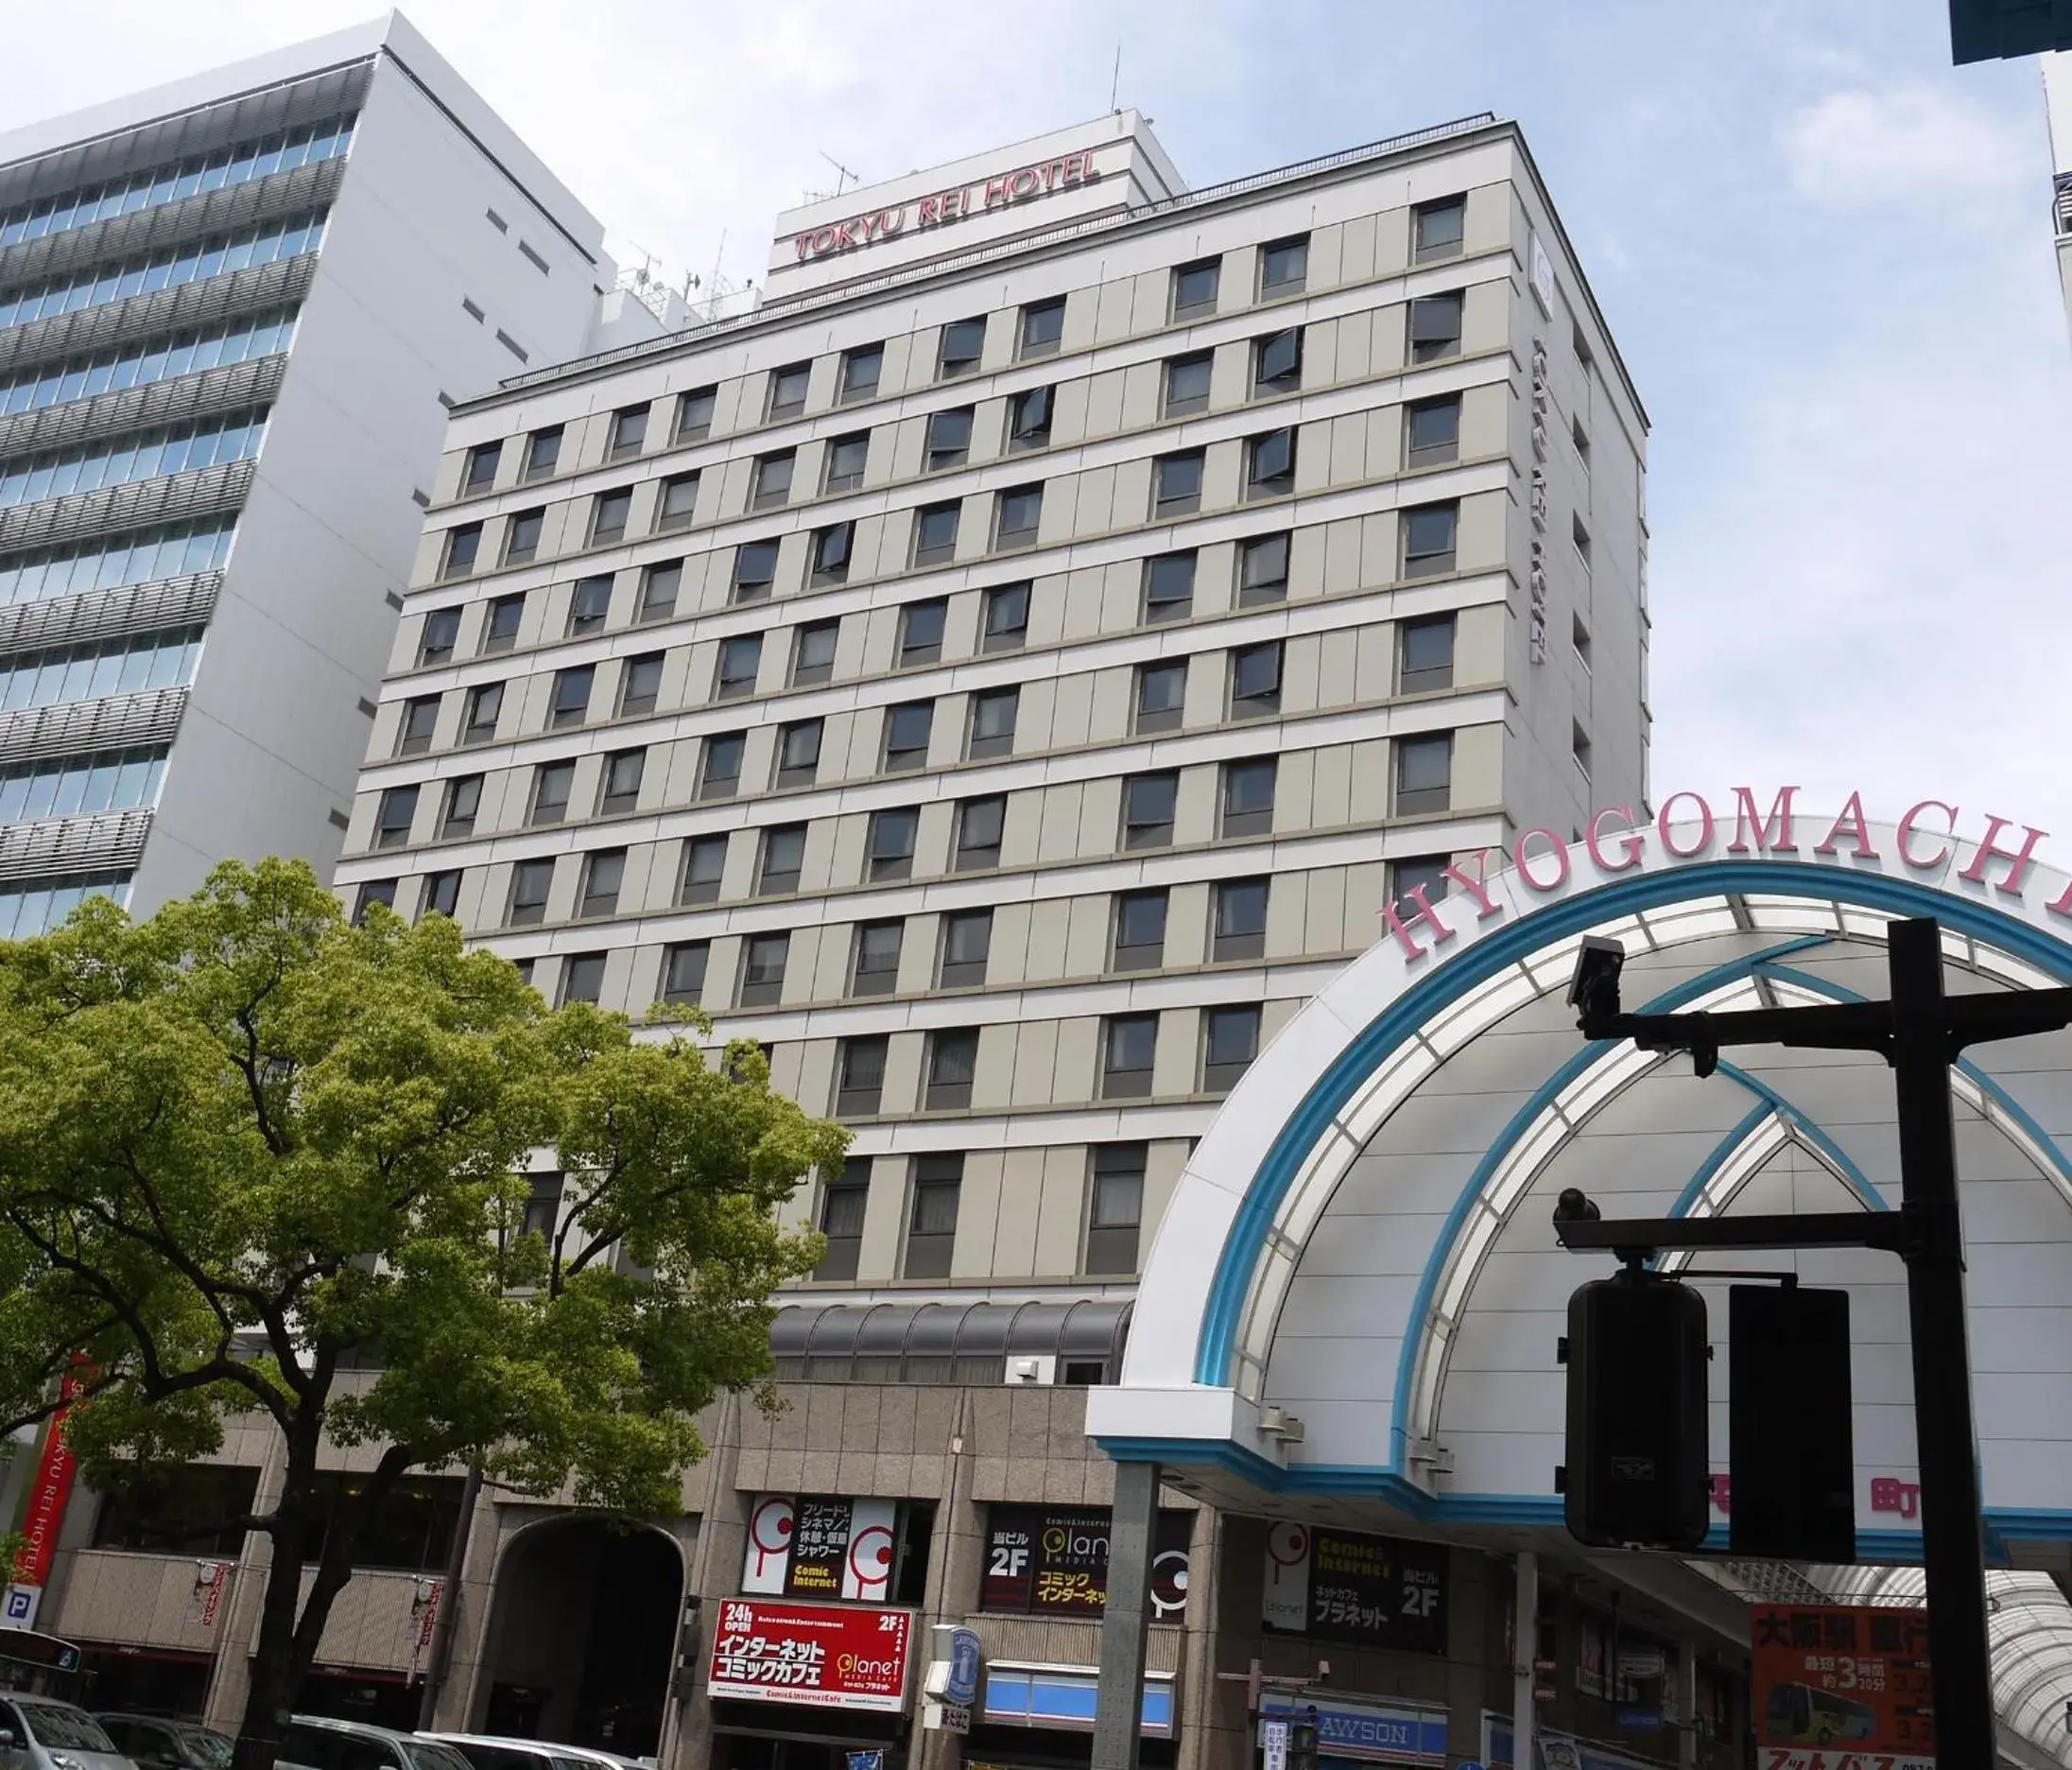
[571,700]
[979,826]
[931,1222]
[608,516]
[543,453]
[1019,508]
[1284,267]
[1580,537]
[624,769]
[500,627]
[442,895]
[420,717]
[907,730]
[953,1066]
[1006,622]
[799,754]
[1116,1210]
[1128,1050]
[788,391]
[678,504]
[462,545]
[589,602]
[659,585]
[1426,873]
[1248,796]
[1269,464]
[831,550]
[481,474]
[604,874]
[1147,802]
[1425,657]
[782,861]
[1042,327]
[935,533]
[740,659]
[1140,931]
[1194,288]
[1581,439]
[1255,680]
[813,653]
[1579,748]
[1435,327]
[694,414]
[1277,362]
[962,341]
[949,438]
[992,716]
[1429,535]
[1439,229]
[1239,929]
[754,570]
[1578,636]
[552,782]
[1262,570]
[522,536]
[392,822]
[440,633]
[763,958]
[1230,1040]
[892,842]
[463,801]
[640,685]
[683,971]
[719,767]
[860,370]
[921,626]
[704,863]
[478,717]
[875,971]
[1168,587]
[1187,384]
[844,1201]
[967,943]
[1176,484]
[1162,696]
[845,462]
[1028,419]
[1432,431]
[1423,774]
[859,1085]
[628,432]
[531,882]
[773,480]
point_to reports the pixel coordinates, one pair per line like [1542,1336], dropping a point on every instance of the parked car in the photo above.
[490,1751]
[317,1742]
[41,1733]
[156,1743]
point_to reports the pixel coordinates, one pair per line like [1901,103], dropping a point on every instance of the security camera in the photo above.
[1593,989]
[1574,1205]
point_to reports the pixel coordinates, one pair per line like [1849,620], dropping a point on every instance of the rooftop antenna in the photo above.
[843,174]
[1114,84]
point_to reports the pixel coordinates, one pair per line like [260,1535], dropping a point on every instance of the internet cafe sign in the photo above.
[1740,826]
[937,209]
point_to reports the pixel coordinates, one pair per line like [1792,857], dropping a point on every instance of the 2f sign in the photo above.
[1008,1561]
[1421,1600]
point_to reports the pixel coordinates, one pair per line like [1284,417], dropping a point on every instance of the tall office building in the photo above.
[1006,676]
[233,311]
[2057,71]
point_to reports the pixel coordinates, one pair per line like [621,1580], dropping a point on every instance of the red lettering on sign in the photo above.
[1852,818]
[1631,844]
[1558,851]
[1907,834]
[1990,849]
[1664,822]
[1780,814]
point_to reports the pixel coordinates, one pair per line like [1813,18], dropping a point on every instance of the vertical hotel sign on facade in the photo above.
[1541,274]
[48,1497]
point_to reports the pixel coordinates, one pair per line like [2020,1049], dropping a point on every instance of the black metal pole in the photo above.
[1952,1546]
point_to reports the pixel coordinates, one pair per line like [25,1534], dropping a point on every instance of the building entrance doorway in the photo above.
[582,1628]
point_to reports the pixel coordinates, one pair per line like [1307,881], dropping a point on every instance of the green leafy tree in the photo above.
[257,1161]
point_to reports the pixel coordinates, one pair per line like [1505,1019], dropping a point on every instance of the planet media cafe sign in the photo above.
[1689,828]
[1022,184]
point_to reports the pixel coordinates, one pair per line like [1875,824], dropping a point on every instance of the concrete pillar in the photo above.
[955,1570]
[712,1572]
[1118,1714]
[1687,1703]
[1526,1647]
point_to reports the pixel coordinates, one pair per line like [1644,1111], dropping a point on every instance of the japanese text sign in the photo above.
[821,1656]
[1849,1679]
[1364,1590]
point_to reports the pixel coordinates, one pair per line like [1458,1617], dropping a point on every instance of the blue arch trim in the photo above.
[1759,1115]
[1454,978]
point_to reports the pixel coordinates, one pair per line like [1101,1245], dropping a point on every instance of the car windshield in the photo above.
[54,1726]
[430,1755]
[212,1750]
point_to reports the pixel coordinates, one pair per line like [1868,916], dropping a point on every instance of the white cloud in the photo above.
[1907,145]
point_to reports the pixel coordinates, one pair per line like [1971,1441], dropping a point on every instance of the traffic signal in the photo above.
[1302,1742]
[1636,1474]
[1791,1437]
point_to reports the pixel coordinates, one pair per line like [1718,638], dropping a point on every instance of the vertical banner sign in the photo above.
[1853,1679]
[55,1469]
[819,1548]
[1344,1585]
[768,1549]
[867,1568]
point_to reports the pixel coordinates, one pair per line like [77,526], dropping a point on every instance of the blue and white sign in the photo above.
[867,1761]
[962,1686]
[1378,1732]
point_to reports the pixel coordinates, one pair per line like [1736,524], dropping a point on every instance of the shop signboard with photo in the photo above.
[1839,1678]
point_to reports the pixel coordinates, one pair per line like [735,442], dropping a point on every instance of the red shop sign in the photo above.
[822,1655]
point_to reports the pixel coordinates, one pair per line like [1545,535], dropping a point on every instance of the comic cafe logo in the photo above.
[1024,184]
[1691,827]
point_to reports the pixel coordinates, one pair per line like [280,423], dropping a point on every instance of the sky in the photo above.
[1825,255]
